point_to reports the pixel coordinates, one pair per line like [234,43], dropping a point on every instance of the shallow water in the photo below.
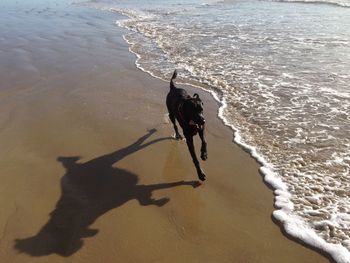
[281,71]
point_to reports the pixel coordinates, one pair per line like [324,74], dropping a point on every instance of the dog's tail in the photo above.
[172,86]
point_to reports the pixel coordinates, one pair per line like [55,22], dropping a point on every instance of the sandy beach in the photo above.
[89,171]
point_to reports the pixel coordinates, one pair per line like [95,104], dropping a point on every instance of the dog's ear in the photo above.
[196,96]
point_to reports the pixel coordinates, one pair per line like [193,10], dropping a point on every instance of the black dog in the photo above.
[188,111]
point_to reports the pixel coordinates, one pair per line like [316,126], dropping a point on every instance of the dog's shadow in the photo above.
[89,190]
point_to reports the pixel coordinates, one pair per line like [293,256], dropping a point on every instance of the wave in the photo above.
[336,3]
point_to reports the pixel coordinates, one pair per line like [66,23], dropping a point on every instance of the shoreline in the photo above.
[100,104]
[296,226]
[280,215]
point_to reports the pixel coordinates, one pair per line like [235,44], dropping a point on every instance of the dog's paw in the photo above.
[178,137]
[201,176]
[204,156]
[151,131]
[195,184]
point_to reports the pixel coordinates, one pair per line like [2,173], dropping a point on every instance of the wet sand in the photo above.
[89,171]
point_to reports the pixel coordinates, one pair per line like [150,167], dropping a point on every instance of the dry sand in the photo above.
[89,172]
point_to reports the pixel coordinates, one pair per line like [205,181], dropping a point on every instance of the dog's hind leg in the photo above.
[200,173]
[173,120]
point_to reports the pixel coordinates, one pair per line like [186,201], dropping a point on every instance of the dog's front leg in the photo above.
[189,141]
[204,154]
[173,120]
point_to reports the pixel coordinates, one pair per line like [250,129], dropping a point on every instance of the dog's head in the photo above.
[194,110]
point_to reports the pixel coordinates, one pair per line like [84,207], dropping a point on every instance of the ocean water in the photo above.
[281,71]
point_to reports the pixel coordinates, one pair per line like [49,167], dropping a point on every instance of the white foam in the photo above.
[292,224]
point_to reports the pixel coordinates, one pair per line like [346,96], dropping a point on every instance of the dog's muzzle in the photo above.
[200,120]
